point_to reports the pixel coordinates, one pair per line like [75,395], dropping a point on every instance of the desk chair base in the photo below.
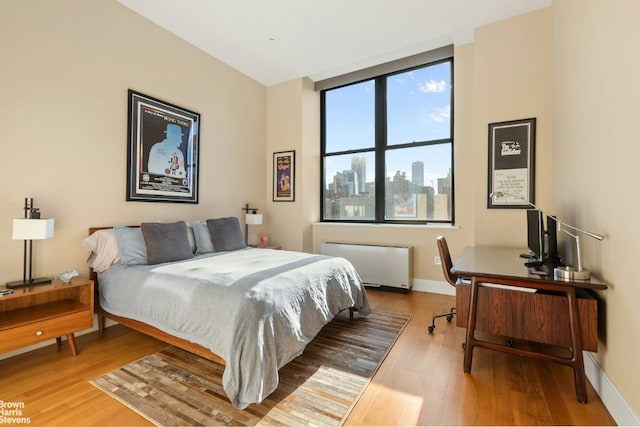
[449,317]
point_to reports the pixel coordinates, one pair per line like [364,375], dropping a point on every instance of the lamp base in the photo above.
[570,273]
[32,282]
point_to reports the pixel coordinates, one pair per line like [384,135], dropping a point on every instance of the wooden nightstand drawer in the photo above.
[45,330]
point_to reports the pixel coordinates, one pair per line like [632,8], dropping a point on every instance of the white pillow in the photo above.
[104,249]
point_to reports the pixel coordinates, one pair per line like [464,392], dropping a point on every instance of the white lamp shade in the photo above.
[32,229]
[253,219]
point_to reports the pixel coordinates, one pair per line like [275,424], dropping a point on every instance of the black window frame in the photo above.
[381,148]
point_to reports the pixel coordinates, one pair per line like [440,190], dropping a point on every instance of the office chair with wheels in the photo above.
[445,260]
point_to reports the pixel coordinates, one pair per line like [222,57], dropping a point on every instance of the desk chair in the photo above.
[445,260]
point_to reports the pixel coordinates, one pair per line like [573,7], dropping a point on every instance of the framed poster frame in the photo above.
[163,147]
[284,177]
[511,180]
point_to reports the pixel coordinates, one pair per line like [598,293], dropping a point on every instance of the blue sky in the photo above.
[418,109]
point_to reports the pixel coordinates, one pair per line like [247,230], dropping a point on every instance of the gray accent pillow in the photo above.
[226,234]
[192,239]
[131,245]
[202,236]
[166,242]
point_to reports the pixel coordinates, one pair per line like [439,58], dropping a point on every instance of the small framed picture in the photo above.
[511,164]
[284,177]
[162,151]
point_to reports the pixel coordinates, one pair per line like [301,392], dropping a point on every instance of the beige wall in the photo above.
[293,112]
[596,151]
[512,80]
[63,113]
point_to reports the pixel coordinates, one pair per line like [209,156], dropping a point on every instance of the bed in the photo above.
[253,310]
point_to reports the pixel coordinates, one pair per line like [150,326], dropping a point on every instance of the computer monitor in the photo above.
[552,256]
[535,233]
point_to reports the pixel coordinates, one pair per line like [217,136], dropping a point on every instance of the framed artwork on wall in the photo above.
[162,151]
[511,164]
[284,167]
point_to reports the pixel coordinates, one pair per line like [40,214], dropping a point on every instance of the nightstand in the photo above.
[32,314]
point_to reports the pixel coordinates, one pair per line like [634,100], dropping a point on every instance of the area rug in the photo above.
[319,387]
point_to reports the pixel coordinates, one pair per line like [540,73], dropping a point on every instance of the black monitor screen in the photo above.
[535,233]
[552,240]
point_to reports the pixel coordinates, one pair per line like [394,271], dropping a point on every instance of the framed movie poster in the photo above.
[511,164]
[284,167]
[162,151]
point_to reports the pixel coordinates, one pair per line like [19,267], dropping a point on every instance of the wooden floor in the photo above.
[420,383]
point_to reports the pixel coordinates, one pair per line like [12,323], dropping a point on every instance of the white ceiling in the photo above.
[273,41]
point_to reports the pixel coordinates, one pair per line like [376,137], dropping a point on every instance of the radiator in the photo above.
[379,266]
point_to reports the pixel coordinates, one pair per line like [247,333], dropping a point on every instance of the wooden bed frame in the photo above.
[143,327]
[152,330]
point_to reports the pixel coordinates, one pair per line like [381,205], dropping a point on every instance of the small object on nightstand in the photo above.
[68,275]
[4,292]
[264,242]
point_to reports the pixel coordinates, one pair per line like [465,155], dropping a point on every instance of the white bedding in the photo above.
[255,308]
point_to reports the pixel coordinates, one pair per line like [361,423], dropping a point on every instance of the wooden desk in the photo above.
[554,314]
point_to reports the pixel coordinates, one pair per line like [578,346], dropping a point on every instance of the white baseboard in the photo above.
[433,286]
[620,410]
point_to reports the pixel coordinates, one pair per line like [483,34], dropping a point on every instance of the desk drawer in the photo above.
[21,336]
[537,317]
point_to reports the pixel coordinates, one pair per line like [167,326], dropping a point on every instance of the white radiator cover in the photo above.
[384,266]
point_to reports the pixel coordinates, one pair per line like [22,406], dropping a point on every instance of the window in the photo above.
[387,147]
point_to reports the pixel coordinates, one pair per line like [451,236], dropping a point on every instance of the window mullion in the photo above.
[381,143]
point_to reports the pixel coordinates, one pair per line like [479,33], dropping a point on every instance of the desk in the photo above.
[541,315]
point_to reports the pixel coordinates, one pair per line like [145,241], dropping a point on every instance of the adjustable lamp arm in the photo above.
[588,233]
[560,222]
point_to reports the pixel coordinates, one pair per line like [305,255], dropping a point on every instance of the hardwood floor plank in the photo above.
[420,383]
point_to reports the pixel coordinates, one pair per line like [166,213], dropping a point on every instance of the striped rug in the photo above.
[319,387]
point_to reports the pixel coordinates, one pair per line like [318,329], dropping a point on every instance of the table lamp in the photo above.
[251,217]
[29,228]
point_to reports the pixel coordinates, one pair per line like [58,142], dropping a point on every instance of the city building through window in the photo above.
[387,147]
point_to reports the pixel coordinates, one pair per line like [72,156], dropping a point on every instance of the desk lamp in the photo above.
[251,217]
[568,272]
[29,228]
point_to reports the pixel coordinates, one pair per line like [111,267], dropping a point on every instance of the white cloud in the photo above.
[433,86]
[440,115]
